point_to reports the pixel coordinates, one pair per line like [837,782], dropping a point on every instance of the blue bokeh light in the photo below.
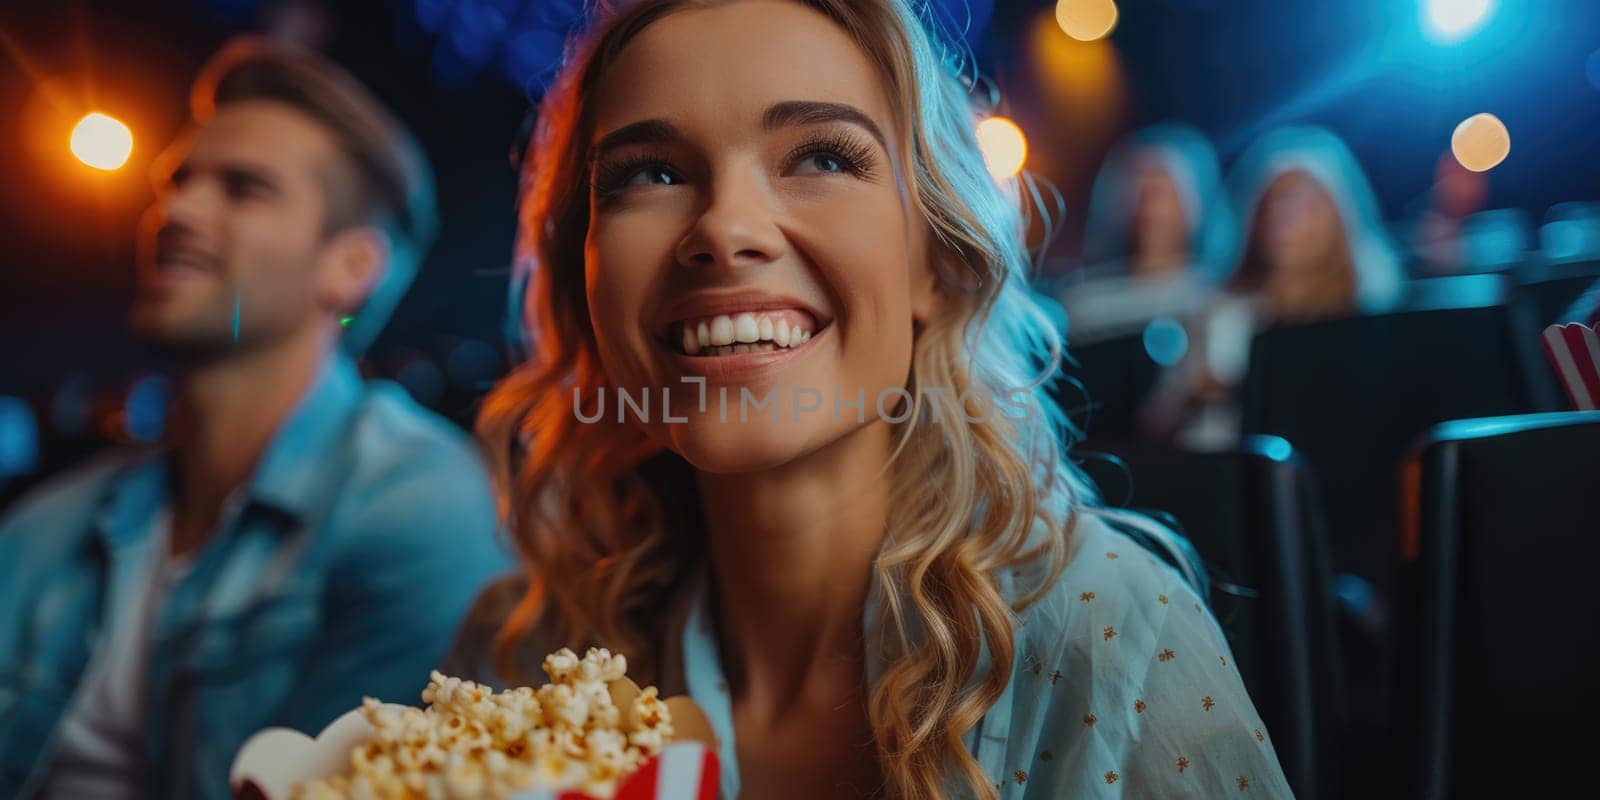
[476,31]
[1591,69]
[145,410]
[1165,341]
[558,15]
[472,365]
[529,54]
[1355,594]
[1276,448]
[19,437]
[422,378]
[1453,20]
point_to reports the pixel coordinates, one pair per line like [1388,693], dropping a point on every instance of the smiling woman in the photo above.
[786,199]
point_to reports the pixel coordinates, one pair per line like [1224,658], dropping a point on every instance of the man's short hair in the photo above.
[393,183]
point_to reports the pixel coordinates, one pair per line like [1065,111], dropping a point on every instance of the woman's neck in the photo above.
[792,552]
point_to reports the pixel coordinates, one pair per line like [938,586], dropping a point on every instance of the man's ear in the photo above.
[354,262]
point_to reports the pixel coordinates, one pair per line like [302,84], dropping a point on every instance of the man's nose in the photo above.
[186,205]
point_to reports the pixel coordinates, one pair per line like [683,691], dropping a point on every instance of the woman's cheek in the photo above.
[616,295]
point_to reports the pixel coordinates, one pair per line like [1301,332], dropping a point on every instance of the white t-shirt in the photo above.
[101,736]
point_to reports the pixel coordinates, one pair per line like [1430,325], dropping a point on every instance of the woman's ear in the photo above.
[927,294]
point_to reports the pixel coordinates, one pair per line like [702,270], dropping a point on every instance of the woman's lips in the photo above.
[740,366]
[783,327]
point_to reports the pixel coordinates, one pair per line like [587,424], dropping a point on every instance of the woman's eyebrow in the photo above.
[778,115]
[812,112]
[648,131]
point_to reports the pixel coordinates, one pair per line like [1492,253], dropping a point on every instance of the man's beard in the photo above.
[196,339]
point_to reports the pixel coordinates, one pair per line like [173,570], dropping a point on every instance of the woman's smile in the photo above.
[744,334]
[766,351]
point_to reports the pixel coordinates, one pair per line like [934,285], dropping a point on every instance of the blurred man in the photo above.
[302,539]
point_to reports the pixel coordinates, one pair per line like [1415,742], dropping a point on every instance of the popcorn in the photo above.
[588,729]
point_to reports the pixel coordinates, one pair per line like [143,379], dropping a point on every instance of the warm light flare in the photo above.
[1003,145]
[1086,20]
[1481,142]
[101,141]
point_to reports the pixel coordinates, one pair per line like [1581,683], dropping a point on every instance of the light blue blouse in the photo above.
[1122,686]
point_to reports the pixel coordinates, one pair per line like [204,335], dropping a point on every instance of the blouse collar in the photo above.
[706,681]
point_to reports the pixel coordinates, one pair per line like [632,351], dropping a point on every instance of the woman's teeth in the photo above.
[748,332]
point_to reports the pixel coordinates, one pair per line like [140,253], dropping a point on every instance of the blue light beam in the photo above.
[1449,21]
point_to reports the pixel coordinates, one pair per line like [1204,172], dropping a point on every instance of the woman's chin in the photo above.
[732,447]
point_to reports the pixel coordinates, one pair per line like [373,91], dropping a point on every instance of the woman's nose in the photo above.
[738,227]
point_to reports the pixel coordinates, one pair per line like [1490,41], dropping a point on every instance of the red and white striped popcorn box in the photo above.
[681,771]
[1574,353]
[276,760]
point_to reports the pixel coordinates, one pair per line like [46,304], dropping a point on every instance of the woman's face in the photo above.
[748,229]
[1298,220]
[1160,226]
[1302,240]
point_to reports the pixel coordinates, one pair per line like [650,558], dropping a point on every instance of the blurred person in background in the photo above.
[1160,231]
[1316,248]
[1438,245]
[302,538]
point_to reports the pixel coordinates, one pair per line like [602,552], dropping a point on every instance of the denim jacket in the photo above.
[339,570]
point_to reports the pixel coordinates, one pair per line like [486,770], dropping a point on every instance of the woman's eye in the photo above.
[651,176]
[822,162]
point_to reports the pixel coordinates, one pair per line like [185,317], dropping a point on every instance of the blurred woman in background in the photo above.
[1316,248]
[1160,231]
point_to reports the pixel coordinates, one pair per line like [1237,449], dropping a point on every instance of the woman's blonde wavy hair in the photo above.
[606,523]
